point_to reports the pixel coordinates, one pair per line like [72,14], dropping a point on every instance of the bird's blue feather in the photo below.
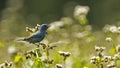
[38,36]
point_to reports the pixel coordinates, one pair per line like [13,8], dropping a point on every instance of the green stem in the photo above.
[101,65]
[47,53]
[64,61]
[64,64]
[114,47]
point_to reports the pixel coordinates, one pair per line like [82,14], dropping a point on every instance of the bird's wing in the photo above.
[36,35]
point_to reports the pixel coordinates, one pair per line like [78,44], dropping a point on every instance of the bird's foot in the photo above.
[37,45]
[43,45]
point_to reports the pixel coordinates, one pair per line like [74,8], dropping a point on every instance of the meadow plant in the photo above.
[80,13]
[65,56]
[39,57]
[6,65]
[59,66]
[100,60]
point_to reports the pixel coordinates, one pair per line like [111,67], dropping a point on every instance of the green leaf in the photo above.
[18,58]
[83,21]
[112,51]
[38,63]
[37,51]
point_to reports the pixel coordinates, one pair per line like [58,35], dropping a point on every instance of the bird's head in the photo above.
[44,27]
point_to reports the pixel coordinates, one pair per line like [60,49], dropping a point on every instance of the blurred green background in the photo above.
[34,11]
[15,15]
[31,12]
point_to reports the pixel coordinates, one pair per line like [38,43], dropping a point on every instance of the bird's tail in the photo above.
[20,39]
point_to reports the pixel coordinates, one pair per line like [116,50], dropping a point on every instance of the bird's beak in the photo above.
[48,26]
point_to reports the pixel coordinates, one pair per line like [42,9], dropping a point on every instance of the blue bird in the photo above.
[38,36]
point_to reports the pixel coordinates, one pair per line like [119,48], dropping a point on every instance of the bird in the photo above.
[38,36]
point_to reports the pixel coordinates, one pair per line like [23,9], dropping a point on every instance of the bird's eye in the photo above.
[45,26]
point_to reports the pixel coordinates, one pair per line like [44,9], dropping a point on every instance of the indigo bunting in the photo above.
[38,36]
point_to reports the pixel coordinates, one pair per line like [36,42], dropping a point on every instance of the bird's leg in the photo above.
[43,45]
